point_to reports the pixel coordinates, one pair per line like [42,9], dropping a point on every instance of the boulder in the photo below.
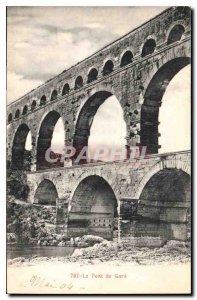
[78,252]
[91,239]
[18,259]
[173,244]
[61,244]
[53,242]
[11,237]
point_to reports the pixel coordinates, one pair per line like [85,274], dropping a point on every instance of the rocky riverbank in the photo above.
[174,252]
[32,225]
[29,225]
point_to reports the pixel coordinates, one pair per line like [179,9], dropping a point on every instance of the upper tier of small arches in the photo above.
[126,58]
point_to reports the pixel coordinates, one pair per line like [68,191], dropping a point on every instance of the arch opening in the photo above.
[93,208]
[43,100]
[149,47]
[66,89]
[44,142]
[108,68]
[100,124]
[46,193]
[175,132]
[21,154]
[33,105]
[92,75]
[165,200]
[78,82]
[153,100]
[24,110]
[175,34]
[54,95]
[17,114]
[127,58]
[10,118]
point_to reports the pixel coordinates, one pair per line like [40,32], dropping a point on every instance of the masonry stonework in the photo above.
[155,52]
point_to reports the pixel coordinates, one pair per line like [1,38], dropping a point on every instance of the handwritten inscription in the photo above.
[42,282]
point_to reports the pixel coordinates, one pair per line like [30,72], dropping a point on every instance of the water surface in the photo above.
[14,251]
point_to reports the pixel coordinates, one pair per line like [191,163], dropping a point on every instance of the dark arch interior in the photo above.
[108,67]
[126,58]
[149,47]
[66,89]
[175,34]
[78,82]
[94,207]
[85,119]
[25,110]
[10,117]
[33,105]
[152,102]
[54,95]
[165,196]
[46,193]
[19,154]
[167,185]
[43,100]
[17,114]
[92,75]
[165,204]
[44,139]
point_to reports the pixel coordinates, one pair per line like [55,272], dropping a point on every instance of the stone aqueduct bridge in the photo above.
[159,184]
[137,69]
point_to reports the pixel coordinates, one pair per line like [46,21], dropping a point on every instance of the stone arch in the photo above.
[152,101]
[164,204]
[85,118]
[33,105]
[44,138]
[175,34]
[108,67]
[92,75]
[25,110]
[98,173]
[126,58]
[43,100]
[78,82]
[17,114]
[94,206]
[164,164]
[181,22]
[46,193]
[18,148]
[93,90]
[148,47]
[53,95]
[10,118]
[66,89]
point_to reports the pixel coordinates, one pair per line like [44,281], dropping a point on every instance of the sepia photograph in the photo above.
[98,132]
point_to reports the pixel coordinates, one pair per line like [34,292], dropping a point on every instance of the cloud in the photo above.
[17,86]
[43,41]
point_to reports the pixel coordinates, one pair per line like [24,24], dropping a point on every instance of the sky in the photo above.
[44,41]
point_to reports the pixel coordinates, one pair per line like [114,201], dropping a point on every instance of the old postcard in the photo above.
[98,150]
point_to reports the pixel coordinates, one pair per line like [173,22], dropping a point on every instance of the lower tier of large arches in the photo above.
[92,200]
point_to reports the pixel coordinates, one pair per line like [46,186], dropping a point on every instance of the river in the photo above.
[26,251]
